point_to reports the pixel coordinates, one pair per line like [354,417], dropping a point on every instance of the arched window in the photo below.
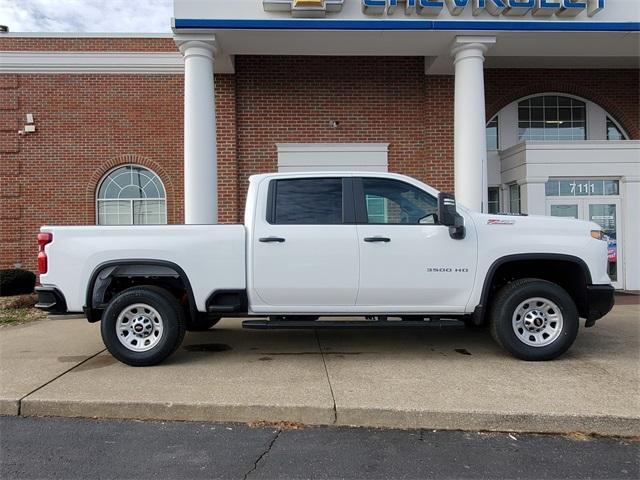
[552,117]
[614,132]
[131,195]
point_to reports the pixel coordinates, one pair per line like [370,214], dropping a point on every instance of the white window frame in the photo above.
[131,201]
[545,121]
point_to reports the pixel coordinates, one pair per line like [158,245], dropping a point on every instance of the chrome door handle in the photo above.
[272,240]
[377,239]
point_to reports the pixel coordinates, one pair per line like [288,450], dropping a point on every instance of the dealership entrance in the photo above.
[595,200]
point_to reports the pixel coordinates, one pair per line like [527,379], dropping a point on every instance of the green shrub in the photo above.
[16,282]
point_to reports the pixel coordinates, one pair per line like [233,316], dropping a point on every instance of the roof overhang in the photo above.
[609,38]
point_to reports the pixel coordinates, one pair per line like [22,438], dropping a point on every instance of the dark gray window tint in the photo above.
[494,200]
[309,201]
[514,199]
[394,202]
[492,134]
[551,118]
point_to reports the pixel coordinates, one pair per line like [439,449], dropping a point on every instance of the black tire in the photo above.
[513,297]
[171,317]
[202,324]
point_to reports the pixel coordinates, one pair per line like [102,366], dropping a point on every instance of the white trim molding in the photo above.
[298,157]
[92,62]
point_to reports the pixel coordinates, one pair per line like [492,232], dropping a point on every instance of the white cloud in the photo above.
[87,15]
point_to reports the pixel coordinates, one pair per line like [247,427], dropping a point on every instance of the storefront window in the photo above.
[514,198]
[131,195]
[552,118]
[613,132]
[492,134]
[493,205]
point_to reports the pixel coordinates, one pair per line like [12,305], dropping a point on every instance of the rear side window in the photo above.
[307,201]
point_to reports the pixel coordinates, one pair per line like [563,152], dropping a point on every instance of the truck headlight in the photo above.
[597,234]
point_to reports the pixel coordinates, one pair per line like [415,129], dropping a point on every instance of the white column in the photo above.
[470,143]
[200,160]
[628,221]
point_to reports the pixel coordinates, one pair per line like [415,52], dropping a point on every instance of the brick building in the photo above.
[558,130]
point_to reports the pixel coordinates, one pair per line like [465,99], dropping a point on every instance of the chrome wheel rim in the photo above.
[139,327]
[537,322]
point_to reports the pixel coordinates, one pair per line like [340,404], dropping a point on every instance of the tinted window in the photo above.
[494,200]
[309,201]
[492,134]
[552,117]
[394,202]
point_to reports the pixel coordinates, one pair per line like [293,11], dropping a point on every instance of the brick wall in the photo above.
[88,124]
[87,44]
[293,99]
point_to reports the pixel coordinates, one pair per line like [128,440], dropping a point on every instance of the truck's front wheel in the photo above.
[143,325]
[534,319]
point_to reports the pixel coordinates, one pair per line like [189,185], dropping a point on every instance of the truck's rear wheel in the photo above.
[534,319]
[143,325]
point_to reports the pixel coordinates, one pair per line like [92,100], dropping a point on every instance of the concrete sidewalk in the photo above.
[448,378]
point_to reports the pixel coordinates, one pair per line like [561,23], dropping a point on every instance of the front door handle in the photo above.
[377,239]
[271,240]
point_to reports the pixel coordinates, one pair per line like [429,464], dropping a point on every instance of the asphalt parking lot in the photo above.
[68,449]
[432,378]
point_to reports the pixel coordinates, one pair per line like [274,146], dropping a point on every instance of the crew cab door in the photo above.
[408,262]
[304,254]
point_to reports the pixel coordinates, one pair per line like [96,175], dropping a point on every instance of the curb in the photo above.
[178,412]
[604,425]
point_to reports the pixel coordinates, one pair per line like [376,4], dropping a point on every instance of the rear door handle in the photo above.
[272,240]
[377,239]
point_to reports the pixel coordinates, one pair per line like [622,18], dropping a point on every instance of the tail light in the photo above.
[44,239]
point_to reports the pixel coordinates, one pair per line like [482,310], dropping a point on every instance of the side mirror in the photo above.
[448,215]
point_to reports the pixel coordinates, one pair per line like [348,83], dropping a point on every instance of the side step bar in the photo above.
[345,324]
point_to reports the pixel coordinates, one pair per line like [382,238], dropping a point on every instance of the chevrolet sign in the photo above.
[540,8]
[562,8]
[303,8]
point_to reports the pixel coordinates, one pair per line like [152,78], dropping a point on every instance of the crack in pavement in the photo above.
[56,378]
[262,455]
[326,371]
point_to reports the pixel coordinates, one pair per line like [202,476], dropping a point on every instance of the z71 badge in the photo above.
[500,221]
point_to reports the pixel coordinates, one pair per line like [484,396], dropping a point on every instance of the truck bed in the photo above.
[212,256]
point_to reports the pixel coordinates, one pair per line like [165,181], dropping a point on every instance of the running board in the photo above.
[345,324]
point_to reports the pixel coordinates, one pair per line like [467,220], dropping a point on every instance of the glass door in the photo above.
[605,211]
[560,208]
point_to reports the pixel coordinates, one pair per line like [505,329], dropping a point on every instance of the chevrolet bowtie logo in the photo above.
[303,8]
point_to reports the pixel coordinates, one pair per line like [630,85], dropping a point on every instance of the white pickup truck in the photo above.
[373,245]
